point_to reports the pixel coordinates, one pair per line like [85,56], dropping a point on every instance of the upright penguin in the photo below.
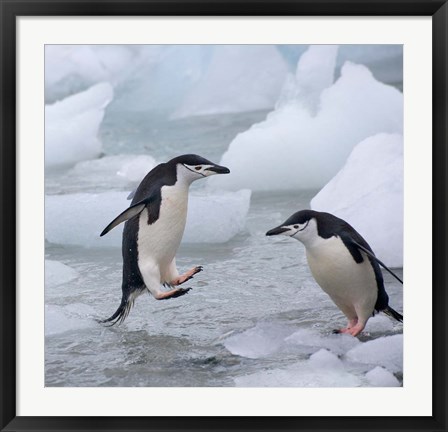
[343,264]
[155,222]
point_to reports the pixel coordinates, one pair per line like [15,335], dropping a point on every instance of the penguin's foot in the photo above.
[178,292]
[186,276]
[354,331]
[351,324]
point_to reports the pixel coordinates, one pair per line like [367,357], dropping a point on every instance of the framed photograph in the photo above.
[322,122]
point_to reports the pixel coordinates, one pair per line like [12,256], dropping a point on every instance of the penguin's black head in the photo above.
[300,225]
[193,167]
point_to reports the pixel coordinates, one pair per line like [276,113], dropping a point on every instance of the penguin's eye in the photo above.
[296,226]
[197,168]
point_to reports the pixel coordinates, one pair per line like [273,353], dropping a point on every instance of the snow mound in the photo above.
[61,319]
[57,273]
[380,377]
[368,194]
[238,78]
[386,351]
[323,369]
[78,219]
[297,149]
[71,126]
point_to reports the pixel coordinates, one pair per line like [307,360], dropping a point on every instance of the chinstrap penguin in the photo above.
[155,223]
[343,264]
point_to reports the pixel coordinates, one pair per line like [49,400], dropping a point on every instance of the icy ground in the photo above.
[255,317]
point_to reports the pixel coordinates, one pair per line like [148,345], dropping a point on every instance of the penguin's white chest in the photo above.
[158,242]
[344,280]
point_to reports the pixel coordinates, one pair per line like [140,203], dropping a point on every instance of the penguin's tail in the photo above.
[120,314]
[393,313]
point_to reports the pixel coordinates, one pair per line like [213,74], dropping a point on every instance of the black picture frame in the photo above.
[10,9]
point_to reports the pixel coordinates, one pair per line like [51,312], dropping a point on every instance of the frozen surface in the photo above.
[71,126]
[78,219]
[238,78]
[57,273]
[296,149]
[255,316]
[385,351]
[380,377]
[69,318]
[368,194]
[323,369]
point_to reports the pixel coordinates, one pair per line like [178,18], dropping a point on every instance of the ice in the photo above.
[323,369]
[385,351]
[311,340]
[73,68]
[112,171]
[74,317]
[368,193]
[78,219]
[295,149]
[161,78]
[216,218]
[314,73]
[238,78]
[385,61]
[379,324]
[380,377]
[57,273]
[257,342]
[71,126]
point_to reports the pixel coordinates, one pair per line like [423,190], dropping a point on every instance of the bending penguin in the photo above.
[343,264]
[155,223]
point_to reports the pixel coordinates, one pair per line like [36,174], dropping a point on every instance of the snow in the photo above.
[295,148]
[380,377]
[78,219]
[368,194]
[238,78]
[57,273]
[71,126]
[385,351]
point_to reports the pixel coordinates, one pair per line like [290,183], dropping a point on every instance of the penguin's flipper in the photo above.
[131,195]
[132,211]
[372,255]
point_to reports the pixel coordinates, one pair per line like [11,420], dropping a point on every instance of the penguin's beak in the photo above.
[219,169]
[277,231]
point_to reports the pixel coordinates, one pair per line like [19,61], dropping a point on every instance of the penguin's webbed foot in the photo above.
[186,276]
[179,292]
